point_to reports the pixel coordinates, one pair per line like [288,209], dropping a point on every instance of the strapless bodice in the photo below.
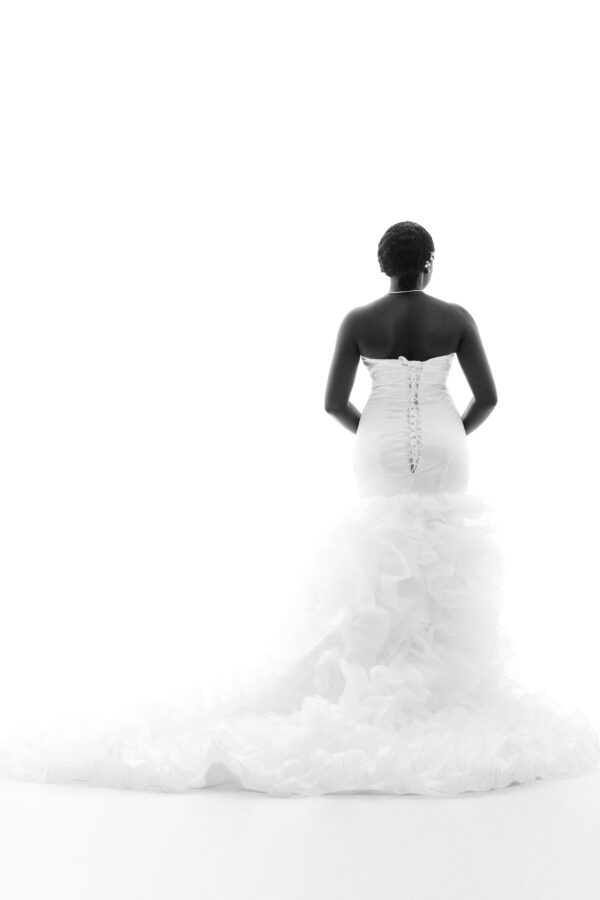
[416,379]
[410,435]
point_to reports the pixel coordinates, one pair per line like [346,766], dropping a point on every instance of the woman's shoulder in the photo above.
[372,323]
[464,316]
[381,305]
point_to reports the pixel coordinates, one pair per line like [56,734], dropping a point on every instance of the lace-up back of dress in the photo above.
[401,388]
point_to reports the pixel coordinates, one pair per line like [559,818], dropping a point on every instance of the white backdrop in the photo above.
[192,198]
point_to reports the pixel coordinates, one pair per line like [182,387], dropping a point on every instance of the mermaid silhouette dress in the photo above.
[392,673]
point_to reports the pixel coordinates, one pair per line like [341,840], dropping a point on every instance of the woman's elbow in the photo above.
[489,399]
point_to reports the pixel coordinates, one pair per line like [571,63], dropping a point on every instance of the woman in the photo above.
[410,436]
[391,674]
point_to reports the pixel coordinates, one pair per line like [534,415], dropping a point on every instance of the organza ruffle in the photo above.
[392,674]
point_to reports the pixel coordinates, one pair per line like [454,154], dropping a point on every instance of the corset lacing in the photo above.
[415,369]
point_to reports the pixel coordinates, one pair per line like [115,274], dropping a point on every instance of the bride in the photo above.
[391,673]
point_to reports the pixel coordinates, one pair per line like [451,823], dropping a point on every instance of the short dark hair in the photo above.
[405,250]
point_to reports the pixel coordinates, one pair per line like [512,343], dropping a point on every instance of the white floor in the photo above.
[72,842]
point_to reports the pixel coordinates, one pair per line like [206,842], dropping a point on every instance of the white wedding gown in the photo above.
[391,675]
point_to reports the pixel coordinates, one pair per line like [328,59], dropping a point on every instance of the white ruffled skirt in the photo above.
[391,675]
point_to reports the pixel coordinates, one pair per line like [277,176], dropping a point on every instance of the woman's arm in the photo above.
[342,373]
[474,364]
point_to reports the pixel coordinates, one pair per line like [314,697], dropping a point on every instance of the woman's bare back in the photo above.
[415,325]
